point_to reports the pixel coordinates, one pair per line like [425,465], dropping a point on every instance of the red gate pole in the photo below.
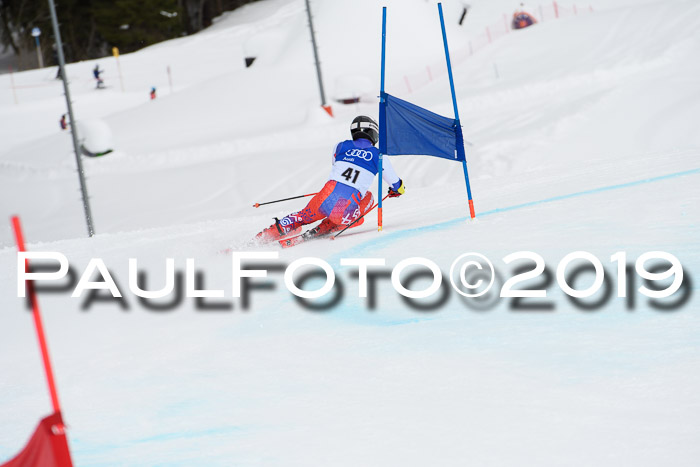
[38,325]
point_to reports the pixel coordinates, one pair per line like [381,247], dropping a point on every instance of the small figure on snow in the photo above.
[54,53]
[153,92]
[345,196]
[96,73]
[522,19]
[63,123]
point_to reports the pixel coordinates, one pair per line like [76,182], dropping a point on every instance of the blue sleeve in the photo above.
[337,148]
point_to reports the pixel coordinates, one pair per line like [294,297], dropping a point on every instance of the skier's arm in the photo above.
[389,174]
[335,153]
[396,186]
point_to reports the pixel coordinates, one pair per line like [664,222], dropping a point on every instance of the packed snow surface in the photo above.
[582,136]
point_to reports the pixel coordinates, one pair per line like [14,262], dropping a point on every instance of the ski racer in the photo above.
[96,73]
[345,196]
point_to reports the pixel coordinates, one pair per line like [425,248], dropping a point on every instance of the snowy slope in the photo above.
[585,140]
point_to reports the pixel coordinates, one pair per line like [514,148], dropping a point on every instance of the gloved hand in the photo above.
[395,193]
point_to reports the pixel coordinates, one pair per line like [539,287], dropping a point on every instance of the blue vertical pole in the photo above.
[454,104]
[382,124]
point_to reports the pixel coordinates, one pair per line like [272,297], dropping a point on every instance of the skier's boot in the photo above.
[274,232]
[326,228]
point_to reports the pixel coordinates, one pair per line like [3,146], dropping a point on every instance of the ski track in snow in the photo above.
[586,140]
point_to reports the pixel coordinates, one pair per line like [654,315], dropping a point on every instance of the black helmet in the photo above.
[364,127]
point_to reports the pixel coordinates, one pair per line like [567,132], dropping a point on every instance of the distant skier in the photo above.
[153,92]
[344,197]
[96,73]
[63,123]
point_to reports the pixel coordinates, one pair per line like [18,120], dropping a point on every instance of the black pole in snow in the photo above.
[73,129]
[318,64]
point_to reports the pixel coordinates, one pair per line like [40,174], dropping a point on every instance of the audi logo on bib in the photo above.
[361,153]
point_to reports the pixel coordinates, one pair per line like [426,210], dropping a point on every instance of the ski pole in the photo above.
[257,205]
[353,222]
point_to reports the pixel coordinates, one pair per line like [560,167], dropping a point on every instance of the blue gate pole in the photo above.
[454,104]
[382,125]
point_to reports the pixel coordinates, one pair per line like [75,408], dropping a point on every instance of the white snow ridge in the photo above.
[582,137]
